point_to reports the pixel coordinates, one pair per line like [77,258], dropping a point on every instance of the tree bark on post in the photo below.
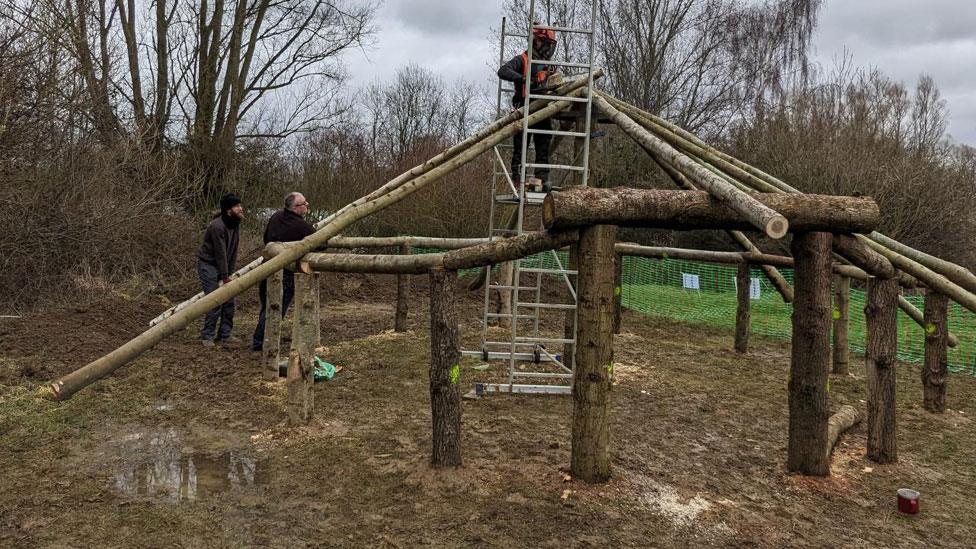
[881,312]
[272,326]
[935,373]
[618,292]
[317,314]
[842,301]
[301,358]
[742,285]
[403,294]
[445,354]
[810,356]
[506,277]
[592,377]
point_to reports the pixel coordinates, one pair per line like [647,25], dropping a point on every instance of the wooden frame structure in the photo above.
[736,197]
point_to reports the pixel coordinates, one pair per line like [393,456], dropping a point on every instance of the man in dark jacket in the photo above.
[286,225]
[216,260]
[516,71]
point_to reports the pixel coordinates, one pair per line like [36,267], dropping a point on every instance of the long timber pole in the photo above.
[570,88]
[71,383]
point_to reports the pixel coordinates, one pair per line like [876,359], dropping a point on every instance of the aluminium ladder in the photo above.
[533,365]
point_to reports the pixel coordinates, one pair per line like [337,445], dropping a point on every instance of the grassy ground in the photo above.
[188,447]
[771,316]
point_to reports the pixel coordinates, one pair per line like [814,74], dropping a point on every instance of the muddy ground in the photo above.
[188,447]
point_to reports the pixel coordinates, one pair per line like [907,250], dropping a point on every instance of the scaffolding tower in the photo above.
[534,365]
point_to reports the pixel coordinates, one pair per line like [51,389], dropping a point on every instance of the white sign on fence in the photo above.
[689,281]
[754,291]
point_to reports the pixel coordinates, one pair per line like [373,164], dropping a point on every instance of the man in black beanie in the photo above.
[216,260]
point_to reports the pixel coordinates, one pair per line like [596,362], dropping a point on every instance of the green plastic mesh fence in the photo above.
[704,293]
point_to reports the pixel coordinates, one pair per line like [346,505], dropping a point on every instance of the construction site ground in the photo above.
[188,447]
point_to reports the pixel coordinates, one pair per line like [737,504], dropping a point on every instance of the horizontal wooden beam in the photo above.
[480,255]
[689,210]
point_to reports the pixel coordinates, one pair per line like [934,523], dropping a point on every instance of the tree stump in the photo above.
[742,285]
[304,339]
[445,370]
[935,373]
[842,301]
[592,378]
[881,312]
[271,348]
[403,295]
[810,356]
[618,292]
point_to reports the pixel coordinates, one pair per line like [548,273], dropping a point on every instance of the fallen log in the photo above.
[758,214]
[69,384]
[845,418]
[688,210]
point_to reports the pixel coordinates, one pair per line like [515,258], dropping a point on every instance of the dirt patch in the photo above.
[698,445]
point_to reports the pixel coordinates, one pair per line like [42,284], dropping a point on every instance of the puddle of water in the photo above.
[158,464]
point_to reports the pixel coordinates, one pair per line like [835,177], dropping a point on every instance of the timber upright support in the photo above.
[445,370]
[403,295]
[810,361]
[271,348]
[301,360]
[742,286]
[618,292]
[593,376]
[935,372]
[880,361]
[841,314]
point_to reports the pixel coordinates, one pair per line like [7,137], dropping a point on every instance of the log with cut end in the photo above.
[689,210]
[845,418]
[758,214]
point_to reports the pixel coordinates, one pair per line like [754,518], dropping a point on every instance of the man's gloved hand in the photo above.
[226,280]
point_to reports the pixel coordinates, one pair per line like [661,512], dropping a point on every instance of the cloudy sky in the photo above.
[902,38]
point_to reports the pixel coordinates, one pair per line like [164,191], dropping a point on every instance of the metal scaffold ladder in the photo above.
[534,365]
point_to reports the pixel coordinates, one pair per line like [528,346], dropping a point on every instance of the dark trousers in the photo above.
[210,280]
[542,142]
[287,293]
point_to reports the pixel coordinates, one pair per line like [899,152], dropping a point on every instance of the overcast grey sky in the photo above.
[902,38]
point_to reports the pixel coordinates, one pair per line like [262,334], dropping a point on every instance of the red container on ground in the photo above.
[908,501]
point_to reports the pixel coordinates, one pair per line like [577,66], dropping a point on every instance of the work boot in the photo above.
[207,342]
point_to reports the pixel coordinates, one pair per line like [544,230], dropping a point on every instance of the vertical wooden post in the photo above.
[272,326]
[317,311]
[810,357]
[881,312]
[618,292]
[506,277]
[301,357]
[742,285]
[841,314]
[445,370]
[403,295]
[935,373]
[592,378]
[569,319]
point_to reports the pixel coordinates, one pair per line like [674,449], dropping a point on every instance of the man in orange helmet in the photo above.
[517,72]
